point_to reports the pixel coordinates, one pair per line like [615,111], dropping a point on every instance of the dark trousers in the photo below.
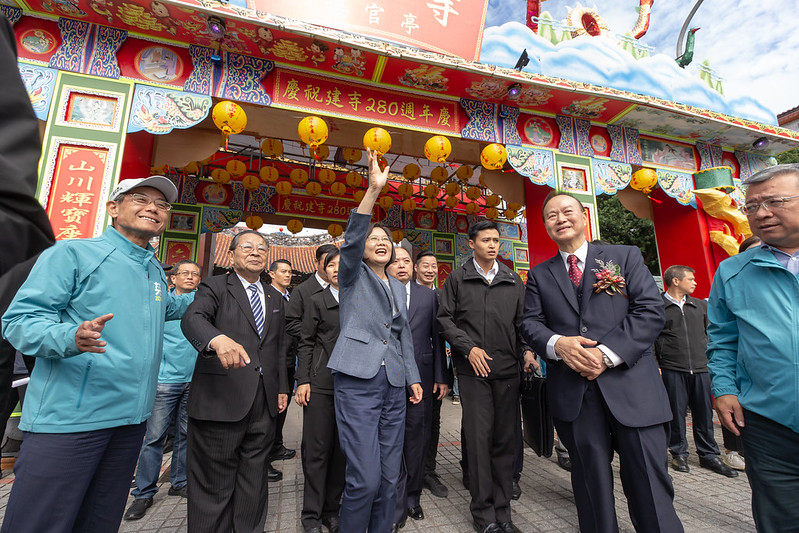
[591,439]
[773,473]
[417,436]
[323,461]
[690,390]
[280,419]
[490,413]
[226,463]
[435,431]
[371,424]
[73,482]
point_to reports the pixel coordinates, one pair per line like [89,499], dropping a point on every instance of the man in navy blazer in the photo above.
[428,350]
[595,311]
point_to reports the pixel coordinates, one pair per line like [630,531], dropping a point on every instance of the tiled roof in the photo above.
[302,258]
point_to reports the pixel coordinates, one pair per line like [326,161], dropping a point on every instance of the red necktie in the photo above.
[574,273]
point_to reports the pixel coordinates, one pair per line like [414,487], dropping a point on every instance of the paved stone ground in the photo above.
[705,501]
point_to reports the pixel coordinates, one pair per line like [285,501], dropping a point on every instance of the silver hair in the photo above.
[772,172]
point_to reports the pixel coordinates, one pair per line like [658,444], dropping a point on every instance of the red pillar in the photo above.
[539,246]
[137,156]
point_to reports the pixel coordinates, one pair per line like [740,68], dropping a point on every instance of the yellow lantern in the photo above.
[408,205]
[354,179]
[378,140]
[192,168]
[451,201]
[320,153]
[510,214]
[492,200]
[351,155]
[337,189]
[405,190]
[431,203]
[493,156]
[464,173]
[492,213]
[206,160]
[386,202]
[411,172]
[397,235]
[385,189]
[236,168]
[229,117]
[452,188]
[313,188]
[269,174]
[431,191]
[220,175]
[283,188]
[471,208]
[313,131]
[437,149]
[251,182]
[358,196]
[514,206]
[162,170]
[644,180]
[439,175]
[335,230]
[298,177]
[326,176]
[272,148]
[473,193]
[254,222]
[294,226]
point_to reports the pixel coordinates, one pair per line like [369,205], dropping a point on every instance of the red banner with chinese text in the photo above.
[338,97]
[76,188]
[446,26]
[317,207]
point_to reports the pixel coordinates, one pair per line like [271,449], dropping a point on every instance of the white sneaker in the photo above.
[734,460]
[456,400]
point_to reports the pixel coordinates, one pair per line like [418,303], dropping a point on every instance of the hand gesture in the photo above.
[230,353]
[416,389]
[377,177]
[87,338]
[573,352]
[530,362]
[442,389]
[282,402]
[478,358]
[303,394]
[730,413]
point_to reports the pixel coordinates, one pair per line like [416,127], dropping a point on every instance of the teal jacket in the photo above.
[79,280]
[177,363]
[753,347]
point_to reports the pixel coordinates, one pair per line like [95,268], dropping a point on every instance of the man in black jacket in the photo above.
[680,350]
[480,313]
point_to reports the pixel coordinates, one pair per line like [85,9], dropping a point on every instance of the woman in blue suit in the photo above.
[372,365]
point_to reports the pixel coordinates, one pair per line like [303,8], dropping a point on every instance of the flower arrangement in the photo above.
[609,278]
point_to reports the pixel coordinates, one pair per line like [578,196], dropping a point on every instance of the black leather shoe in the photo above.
[432,483]
[517,491]
[183,491]
[138,508]
[714,463]
[416,512]
[331,524]
[394,528]
[274,475]
[508,527]
[493,527]
[282,454]
[680,463]
[315,529]
[565,463]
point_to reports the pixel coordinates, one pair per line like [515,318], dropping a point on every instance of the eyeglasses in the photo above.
[188,274]
[248,248]
[374,240]
[770,205]
[143,199]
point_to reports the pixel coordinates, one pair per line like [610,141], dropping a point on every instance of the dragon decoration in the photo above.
[586,21]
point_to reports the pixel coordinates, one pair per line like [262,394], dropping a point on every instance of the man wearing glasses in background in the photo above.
[754,346]
[92,312]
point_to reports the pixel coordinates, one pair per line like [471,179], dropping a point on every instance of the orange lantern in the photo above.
[313,188]
[378,140]
[236,168]
[431,191]
[354,179]
[272,148]
[313,131]
[206,160]
[283,188]
[229,117]
[397,235]
[337,189]
[351,155]
[492,213]
[294,226]
[405,190]
[644,180]
[514,206]
[251,182]
[439,175]
[192,168]
[431,203]
[320,153]
[510,214]
[464,173]
[220,175]
[385,189]
[162,170]
[493,156]
[408,205]
[269,174]
[298,177]
[326,176]
[452,188]
[451,201]
[386,202]
[437,149]
[472,193]
[358,196]
[335,230]
[471,208]
[492,200]
[411,172]
[254,222]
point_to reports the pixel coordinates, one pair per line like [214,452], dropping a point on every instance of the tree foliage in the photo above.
[617,225]
[791,156]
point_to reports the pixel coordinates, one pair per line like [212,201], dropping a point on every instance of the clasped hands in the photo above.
[581,355]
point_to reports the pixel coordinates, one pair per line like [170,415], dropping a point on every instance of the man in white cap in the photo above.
[92,311]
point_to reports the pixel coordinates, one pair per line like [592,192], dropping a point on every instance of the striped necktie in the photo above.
[257,309]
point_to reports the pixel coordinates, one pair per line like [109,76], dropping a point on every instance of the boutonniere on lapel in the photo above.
[609,278]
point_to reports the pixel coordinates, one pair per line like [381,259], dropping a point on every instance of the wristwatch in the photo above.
[607,360]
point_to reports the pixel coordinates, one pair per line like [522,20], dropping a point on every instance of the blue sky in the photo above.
[751,44]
